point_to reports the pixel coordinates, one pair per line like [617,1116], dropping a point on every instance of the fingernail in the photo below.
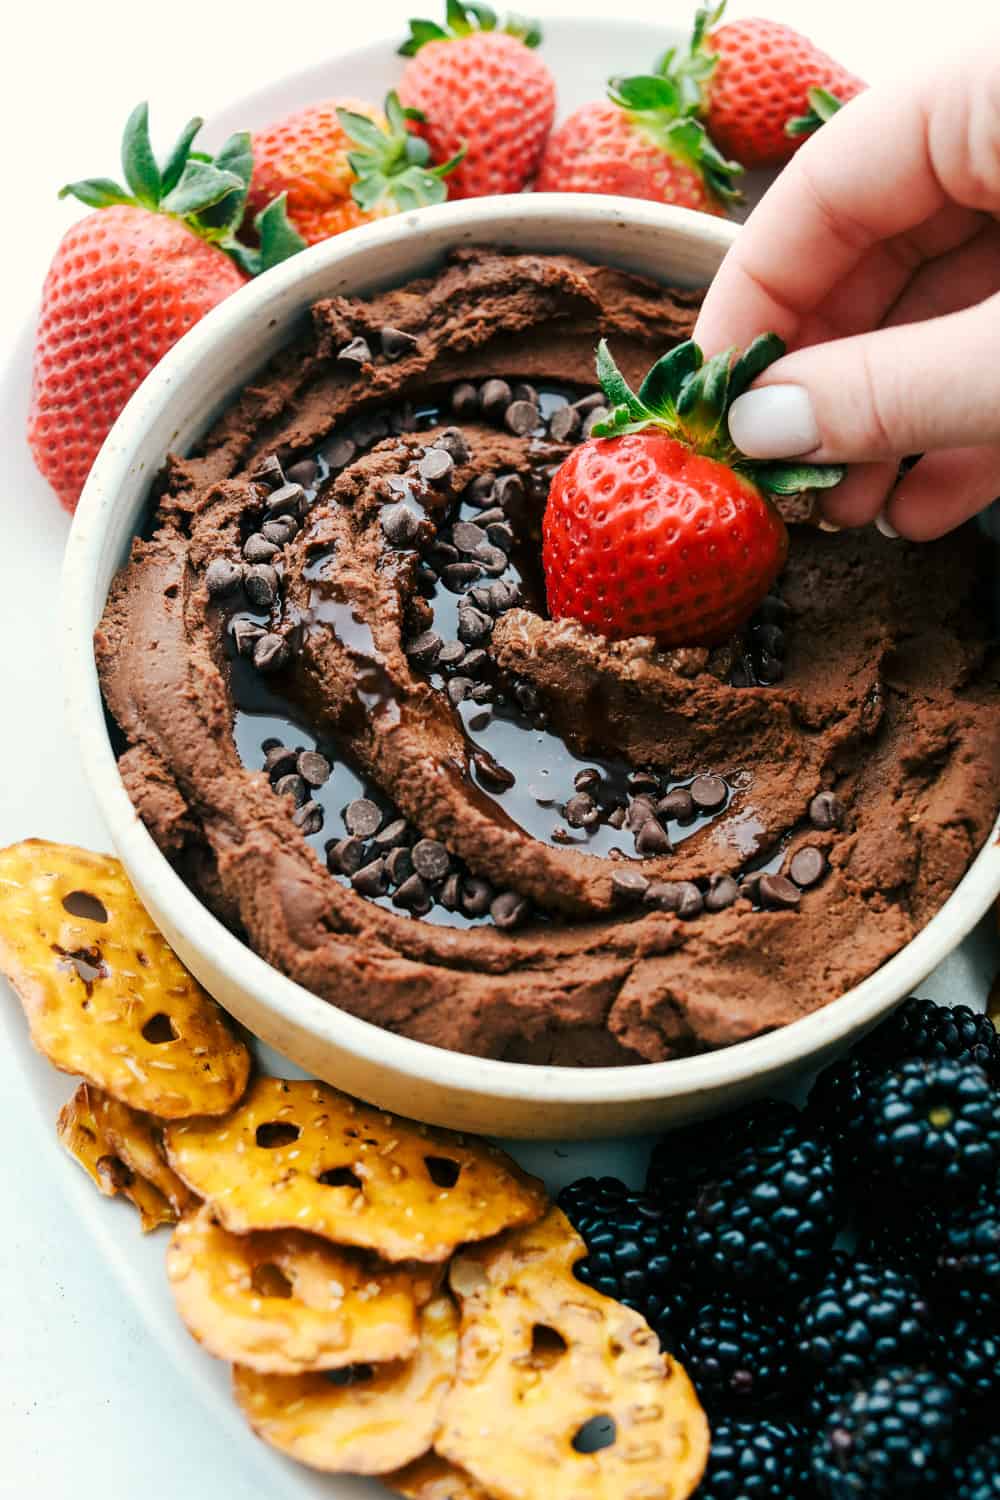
[886,527]
[776,421]
[826,525]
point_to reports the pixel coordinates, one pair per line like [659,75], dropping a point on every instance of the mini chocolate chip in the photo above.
[372,879]
[458,689]
[292,786]
[271,744]
[776,891]
[509,491]
[489,517]
[399,863]
[590,421]
[690,903]
[304,472]
[750,886]
[500,535]
[474,662]
[281,530]
[528,698]
[465,399]
[521,418]
[722,892]
[436,466]
[467,536]
[587,404]
[474,625]
[480,491]
[400,526]
[269,472]
[494,398]
[508,910]
[357,352]
[492,559]
[246,635]
[773,610]
[457,576]
[588,780]
[708,793]
[680,896]
[280,760]
[826,810]
[257,549]
[452,440]
[431,859]
[652,838]
[503,595]
[362,818]
[260,585]
[524,392]
[444,552]
[314,768]
[678,804]
[616,817]
[476,896]
[580,811]
[628,885]
[413,895]
[286,501]
[392,834]
[423,649]
[396,342]
[270,653]
[768,668]
[770,638]
[482,693]
[564,424]
[451,653]
[308,817]
[426,576]
[222,577]
[640,810]
[450,894]
[482,597]
[491,773]
[338,452]
[345,856]
[643,781]
[807,866]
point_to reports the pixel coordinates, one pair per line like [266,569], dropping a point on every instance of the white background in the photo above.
[89,1406]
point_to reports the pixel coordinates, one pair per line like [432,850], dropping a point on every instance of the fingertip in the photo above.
[860,496]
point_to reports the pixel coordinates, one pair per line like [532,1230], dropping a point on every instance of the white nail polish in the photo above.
[886,527]
[776,421]
[825,525]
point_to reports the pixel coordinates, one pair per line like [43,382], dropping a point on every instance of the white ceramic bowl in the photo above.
[174,405]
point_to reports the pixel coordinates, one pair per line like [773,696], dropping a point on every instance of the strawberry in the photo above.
[331,185]
[638,144]
[478,85]
[128,280]
[658,525]
[759,86]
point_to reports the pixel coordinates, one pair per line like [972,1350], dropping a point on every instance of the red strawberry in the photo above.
[482,89]
[314,158]
[127,281]
[637,144]
[759,86]
[659,525]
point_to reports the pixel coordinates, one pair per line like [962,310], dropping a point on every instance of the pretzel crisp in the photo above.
[374,1420]
[104,995]
[298,1154]
[541,1356]
[123,1157]
[283,1302]
[434,1478]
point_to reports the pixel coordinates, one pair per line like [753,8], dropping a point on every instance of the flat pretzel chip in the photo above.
[543,1362]
[104,995]
[112,1163]
[298,1154]
[283,1302]
[434,1478]
[376,1421]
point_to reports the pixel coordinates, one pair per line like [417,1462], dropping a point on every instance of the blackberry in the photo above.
[683,1158]
[893,1436]
[860,1318]
[968,1252]
[633,1249]
[969,1346]
[756,1461]
[906,1236]
[920,1028]
[977,1475]
[737,1354]
[765,1223]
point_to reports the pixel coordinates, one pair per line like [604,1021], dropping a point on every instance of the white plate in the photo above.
[42,791]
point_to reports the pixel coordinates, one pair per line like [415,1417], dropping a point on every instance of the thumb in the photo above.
[880,395]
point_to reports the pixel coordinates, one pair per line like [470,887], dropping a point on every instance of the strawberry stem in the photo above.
[392,166]
[656,106]
[690,72]
[822,107]
[464,18]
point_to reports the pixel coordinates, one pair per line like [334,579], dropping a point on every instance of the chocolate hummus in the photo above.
[349,723]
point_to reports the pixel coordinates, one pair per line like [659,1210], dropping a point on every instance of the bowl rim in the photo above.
[542,1085]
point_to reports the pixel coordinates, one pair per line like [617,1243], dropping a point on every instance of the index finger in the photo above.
[865,176]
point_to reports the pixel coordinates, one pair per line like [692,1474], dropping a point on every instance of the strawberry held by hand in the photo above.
[342,163]
[477,86]
[128,280]
[659,525]
[639,144]
[760,87]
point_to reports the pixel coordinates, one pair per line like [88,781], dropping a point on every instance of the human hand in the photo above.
[876,256]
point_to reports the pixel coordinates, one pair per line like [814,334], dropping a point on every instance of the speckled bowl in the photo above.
[173,407]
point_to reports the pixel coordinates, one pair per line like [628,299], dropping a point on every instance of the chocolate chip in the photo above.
[476,896]
[270,652]
[690,903]
[357,352]
[599,414]
[509,491]
[450,895]
[768,668]
[431,859]
[345,856]
[458,689]
[480,491]
[564,424]
[652,838]
[750,886]
[246,635]
[528,698]
[503,595]
[426,576]
[500,535]
[280,760]
[773,610]
[338,452]
[722,892]
[457,576]
[308,817]
[493,775]
[482,693]
[467,536]
[369,428]
[826,810]
[304,472]
[362,818]
[269,472]
[587,404]
[492,559]
[680,896]
[396,342]
[444,552]
[508,910]
[640,810]
[770,638]
[436,466]
[260,584]
[222,577]
[474,662]
[281,530]
[292,786]
[807,866]
[286,501]
[465,399]
[399,863]
[257,549]
[494,399]
[314,768]
[414,896]
[423,649]
[616,817]
[451,653]
[525,392]
[776,891]
[400,526]
[474,625]
[643,781]
[588,780]
[392,834]
[580,811]
[678,804]
[372,879]
[709,793]
[452,440]
[521,418]
[628,886]
[490,517]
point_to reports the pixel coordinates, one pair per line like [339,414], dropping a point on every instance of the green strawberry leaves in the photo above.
[392,167]
[822,107]
[464,18]
[689,397]
[657,106]
[207,194]
[690,72]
